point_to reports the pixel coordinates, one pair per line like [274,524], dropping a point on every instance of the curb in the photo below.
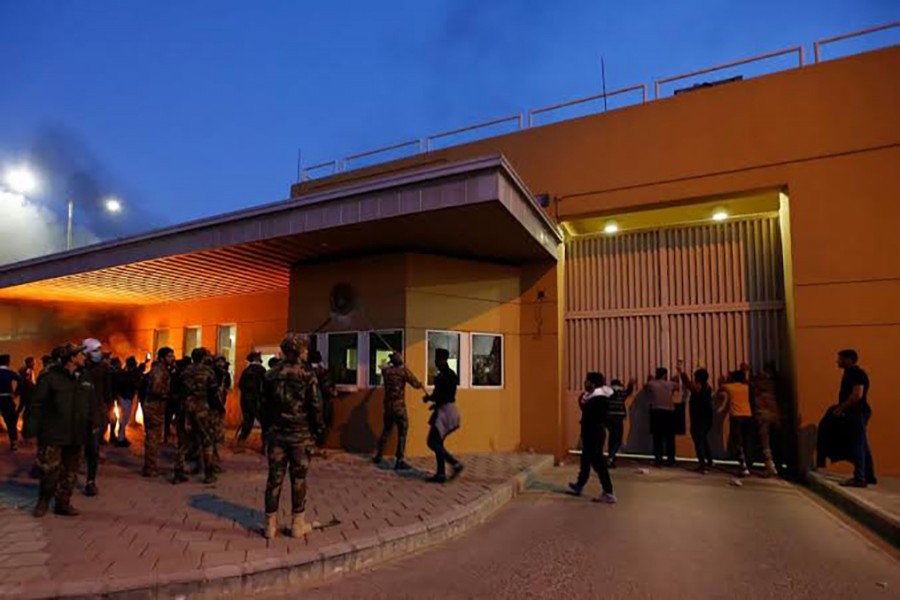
[296,569]
[878,520]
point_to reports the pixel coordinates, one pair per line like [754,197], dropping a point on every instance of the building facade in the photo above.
[747,222]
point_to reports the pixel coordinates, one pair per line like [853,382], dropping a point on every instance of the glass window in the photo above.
[442,339]
[192,339]
[225,343]
[487,360]
[343,359]
[381,344]
[160,340]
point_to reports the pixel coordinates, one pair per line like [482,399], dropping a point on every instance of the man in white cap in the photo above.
[98,373]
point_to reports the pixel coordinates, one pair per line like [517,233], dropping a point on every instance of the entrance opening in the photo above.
[703,284]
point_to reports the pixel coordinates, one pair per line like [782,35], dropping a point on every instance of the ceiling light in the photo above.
[611,228]
[720,215]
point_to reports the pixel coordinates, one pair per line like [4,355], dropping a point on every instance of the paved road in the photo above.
[672,535]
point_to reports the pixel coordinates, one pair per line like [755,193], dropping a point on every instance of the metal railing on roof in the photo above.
[425,144]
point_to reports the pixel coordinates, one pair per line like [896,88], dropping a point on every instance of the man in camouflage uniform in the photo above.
[223,376]
[328,392]
[62,415]
[159,393]
[293,406]
[395,376]
[199,389]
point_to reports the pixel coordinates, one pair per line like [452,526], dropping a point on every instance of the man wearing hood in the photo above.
[594,404]
[97,371]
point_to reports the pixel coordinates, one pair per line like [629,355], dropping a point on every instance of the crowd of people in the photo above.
[755,404]
[83,398]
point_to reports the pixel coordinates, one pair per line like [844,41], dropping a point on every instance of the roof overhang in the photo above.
[477,209]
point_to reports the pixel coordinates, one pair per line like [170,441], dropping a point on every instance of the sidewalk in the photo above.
[204,540]
[876,506]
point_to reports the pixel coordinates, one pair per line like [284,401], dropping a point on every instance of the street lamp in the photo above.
[21,180]
[111,204]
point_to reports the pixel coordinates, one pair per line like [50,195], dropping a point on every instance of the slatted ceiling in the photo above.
[710,293]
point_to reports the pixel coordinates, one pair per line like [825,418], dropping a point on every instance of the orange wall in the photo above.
[828,134]
[261,320]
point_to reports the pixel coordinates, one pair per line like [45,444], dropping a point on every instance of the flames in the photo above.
[139,415]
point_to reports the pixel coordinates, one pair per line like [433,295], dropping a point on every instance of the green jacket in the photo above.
[292,404]
[62,408]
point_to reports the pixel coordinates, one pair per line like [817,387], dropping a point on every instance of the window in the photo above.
[192,339]
[381,344]
[160,340]
[448,340]
[343,357]
[225,343]
[487,360]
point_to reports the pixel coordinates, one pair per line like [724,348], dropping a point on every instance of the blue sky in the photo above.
[192,108]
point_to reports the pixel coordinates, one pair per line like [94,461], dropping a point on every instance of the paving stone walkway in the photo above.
[147,533]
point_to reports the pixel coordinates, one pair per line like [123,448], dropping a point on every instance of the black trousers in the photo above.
[249,415]
[92,452]
[436,444]
[662,426]
[10,417]
[700,428]
[592,456]
[743,429]
[616,431]
[169,418]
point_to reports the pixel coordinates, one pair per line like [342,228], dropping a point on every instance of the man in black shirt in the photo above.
[853,404]
[444,418]
[9,382]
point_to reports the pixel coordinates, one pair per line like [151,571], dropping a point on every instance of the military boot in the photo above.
[41,508]
[271,528]
[66,510]
[299,526]
[179,477]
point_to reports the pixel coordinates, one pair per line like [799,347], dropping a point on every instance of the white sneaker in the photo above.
[606,498]
[745,473]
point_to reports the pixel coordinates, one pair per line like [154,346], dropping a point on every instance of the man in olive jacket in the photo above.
[62,412]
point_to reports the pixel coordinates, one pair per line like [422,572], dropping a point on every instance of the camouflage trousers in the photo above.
[401,420]
[154,421]
[218,425]
[59,467]
[294,459]
[195,429]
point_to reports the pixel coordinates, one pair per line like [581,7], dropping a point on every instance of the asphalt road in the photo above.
[673,535]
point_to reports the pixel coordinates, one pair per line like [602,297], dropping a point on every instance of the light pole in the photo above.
[71,206]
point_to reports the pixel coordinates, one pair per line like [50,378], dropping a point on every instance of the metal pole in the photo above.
[69,225]
[603,77]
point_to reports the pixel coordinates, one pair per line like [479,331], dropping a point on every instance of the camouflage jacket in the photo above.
[395,380]
[292,404]
[159,383]
[199,385]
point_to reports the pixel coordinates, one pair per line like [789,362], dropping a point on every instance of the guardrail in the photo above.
[426,144]
[817,46]
[798,50]
[552,107]
[519,118]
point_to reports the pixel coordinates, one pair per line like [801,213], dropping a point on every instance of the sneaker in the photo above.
[606,498]
[745,472]
[575,489]
[66,510]
[853,482]
[402,465]
[90,489]
[437,479]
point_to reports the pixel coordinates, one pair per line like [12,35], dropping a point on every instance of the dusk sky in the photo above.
[187,109]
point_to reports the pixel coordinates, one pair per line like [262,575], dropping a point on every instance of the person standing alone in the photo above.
[853,403]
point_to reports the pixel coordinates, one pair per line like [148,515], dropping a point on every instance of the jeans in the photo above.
[863,466]
[743,428]
[616,428]
[700,428]
[592,456]
[436,444]
[124,416]
[662,427]
[10,417]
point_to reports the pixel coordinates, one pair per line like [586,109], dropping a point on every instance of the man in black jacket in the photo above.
[62,414]
[594,404]
[97,371]
[251,386]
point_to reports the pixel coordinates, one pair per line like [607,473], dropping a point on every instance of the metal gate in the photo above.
[711,294]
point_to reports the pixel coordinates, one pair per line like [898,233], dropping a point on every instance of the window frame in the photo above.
[185,329]
[234,358]
[326,348]
[462,368]
[502,337]
[370,359]
[156,344]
